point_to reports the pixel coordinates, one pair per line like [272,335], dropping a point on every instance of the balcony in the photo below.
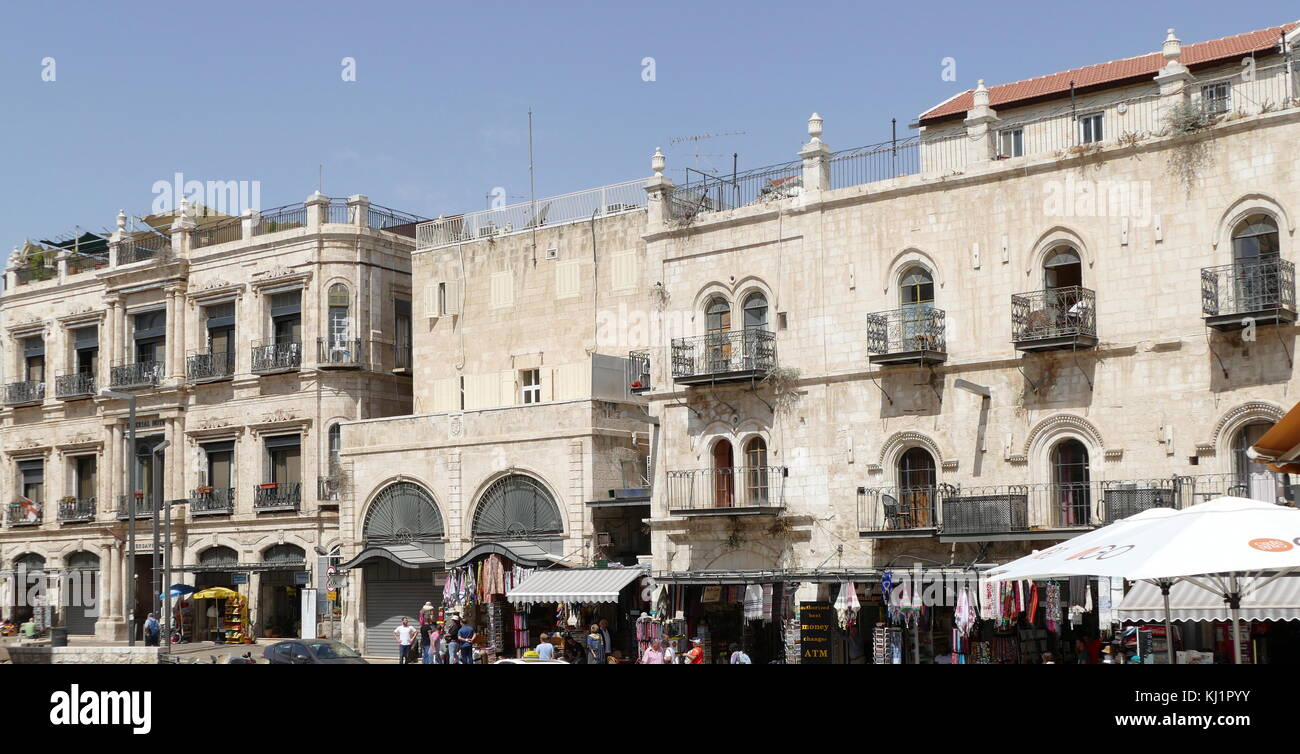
[145,247]
[739,491]
[144,508]
[35,274]
[894,512]
[638,372]
[141,374]
[207,366]
[337,353]
[913,335]
[270,357]
[1261,292]
[329,489]
[1054,319]
[724,357]
[74,385]
[212,501]
[25,513]
[1031,510]
[24,393]
[277,496]
[74,511]
[403,358]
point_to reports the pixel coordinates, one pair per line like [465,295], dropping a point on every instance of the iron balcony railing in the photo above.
[906,330]
[1245,288]
[277,496]
[25,513]
[1055,313]
[638,371]
[403,357]
[223,231]
[281,218]
[341,352]
[144,507]
[515,218]
[723,490]
[201,366]
[338,212]
[139,374]
[393,221]
[77,511]
[272,356]
[884,510]
[1055,506]
[743,352]
[717,193]
[79,263]
[212,501]
[74,385]
[877,162]
[145,247]
[20,393]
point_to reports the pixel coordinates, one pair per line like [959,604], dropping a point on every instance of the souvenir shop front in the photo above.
[1270,624]
[476,587]
[565,603]
[736,609]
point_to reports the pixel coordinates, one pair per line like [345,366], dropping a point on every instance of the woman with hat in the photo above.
[696,655]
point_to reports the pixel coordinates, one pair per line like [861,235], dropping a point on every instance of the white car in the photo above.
[528,661]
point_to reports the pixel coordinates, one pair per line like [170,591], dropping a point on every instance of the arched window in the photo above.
[516,507]
[717,321]
[1071,491]
[402,512]
[1062,268]
[724,469]
[915,287]
[335,439]
[916,491]
[756,311]
[285,553]
[340,322]
[30,562]
[1250,479]
[1255,239]
[82,561]
[218,556]
[756,481]
[717,315]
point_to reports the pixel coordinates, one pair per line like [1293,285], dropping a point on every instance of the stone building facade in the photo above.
[246,342]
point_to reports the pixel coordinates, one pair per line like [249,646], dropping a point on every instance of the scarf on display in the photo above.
[893,612]
[753,602]
[767,603]
[1033,602]
[1054,607]
[847,605]
[964,615]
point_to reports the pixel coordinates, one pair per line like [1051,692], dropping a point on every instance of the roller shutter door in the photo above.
[386,603]
[74,616]
[78,623]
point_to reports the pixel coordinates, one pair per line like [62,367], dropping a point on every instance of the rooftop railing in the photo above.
[274,220]
[223,231]
[393,221]
[143,247]
[877,162]
[554,210]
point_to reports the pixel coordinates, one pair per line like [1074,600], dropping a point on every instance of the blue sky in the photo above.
[437,116]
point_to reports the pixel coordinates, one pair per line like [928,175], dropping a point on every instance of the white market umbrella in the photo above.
[1223,546]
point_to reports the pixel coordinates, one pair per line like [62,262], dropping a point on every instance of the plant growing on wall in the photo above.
[1191,153]
[784,382]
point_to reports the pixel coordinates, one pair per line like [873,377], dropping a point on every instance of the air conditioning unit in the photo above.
[618,207]
[487,231]
[552,253]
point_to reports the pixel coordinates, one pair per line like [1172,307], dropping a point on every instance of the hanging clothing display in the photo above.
[753,604]
[964,614]
[1054,607]
[767,603]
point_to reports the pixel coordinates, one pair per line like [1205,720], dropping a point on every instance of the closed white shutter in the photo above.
[431,301]
[623,271]
[446,394]
[572,381]
[509,394]
[568,279]
[503,290]
[452,297]
[547,376]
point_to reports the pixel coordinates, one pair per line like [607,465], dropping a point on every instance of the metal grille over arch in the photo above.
[218,556]
[82,561]
[402,512]
[516,507]
[284,554]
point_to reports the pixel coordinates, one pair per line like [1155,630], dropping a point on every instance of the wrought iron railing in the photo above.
[638,371]
[899,509]
[717,193]
[77,511]
[329,489]
[877,162]
[717,354]
[281,218]
[393,221]
[554,210]
[341,352]
[272,356]
[1054,313]
[144,247]
[223,231]
[403,356]
[723,489]
[209,365]
[139,374]
[339,212]
[919,328]
[212,501]
[79,263]
[144,507]
[18,393]
[274,496]
[1248,287]
[25,513]
[74,385]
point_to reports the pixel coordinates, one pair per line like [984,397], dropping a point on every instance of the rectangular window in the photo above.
[150,336]
[286,317]
[531,380]
[568,279]
[85,470]
[462,392]
[1091,128]
[1216,99]
[221,464]
[144,464]
[285,459]
[86,342]
[32,478]
[502,290]
[1011,142]
[34,359]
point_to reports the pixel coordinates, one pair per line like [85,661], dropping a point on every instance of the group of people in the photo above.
[28,629]
[436,641]
[659,653]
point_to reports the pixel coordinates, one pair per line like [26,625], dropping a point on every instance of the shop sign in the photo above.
[815,621]
[300,578]
[239,578]
[712,594]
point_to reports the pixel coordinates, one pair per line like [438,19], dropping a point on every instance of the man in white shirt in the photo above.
[405,634]
[670,654]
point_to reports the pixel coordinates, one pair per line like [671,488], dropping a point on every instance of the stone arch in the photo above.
[1252,204]
[1047,433]
[905,259]
[1049,240]
[507,499]
[197,546]
[752,555]
[402,511]
[1239,416]
[902,441]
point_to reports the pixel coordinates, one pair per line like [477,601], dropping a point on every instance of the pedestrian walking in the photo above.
[696,655]
[451,633]
[405,635]
[466,635]
[151,631]
[426,642]
[437,646]
[595,645]
[545,649]
[654,654]
[670,653]
[738,656]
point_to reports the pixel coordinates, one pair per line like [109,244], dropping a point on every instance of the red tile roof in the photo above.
[1115,71]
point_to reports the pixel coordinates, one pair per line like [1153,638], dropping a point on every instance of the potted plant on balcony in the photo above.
[69,499]
[268,485]
[206,490]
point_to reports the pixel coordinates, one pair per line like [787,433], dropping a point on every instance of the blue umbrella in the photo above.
[178,590]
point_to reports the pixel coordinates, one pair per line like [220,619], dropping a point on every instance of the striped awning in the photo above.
[582,585]
[1278,600]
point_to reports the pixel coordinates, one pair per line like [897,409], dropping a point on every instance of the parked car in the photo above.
[528,661]
[312,652]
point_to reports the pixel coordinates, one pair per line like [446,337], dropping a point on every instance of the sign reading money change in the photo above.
[815,621]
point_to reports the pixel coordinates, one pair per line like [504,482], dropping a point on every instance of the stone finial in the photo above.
[815,127]
[1173,48]
[981,95]
[121,221]
[185,206]
[657,163]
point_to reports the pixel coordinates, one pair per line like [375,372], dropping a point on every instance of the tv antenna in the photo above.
[699,138]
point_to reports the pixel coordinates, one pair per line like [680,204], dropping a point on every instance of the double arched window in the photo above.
[745,485]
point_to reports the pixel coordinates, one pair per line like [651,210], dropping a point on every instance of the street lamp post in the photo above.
[156,599]
[130,496]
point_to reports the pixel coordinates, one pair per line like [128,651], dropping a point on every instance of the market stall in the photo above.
[578,598]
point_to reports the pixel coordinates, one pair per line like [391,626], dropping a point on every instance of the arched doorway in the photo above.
[756,473]
[1255,257]
[917,482]
[279,610]
[1250,479]
[216,566]
[723,474]
[402,515]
